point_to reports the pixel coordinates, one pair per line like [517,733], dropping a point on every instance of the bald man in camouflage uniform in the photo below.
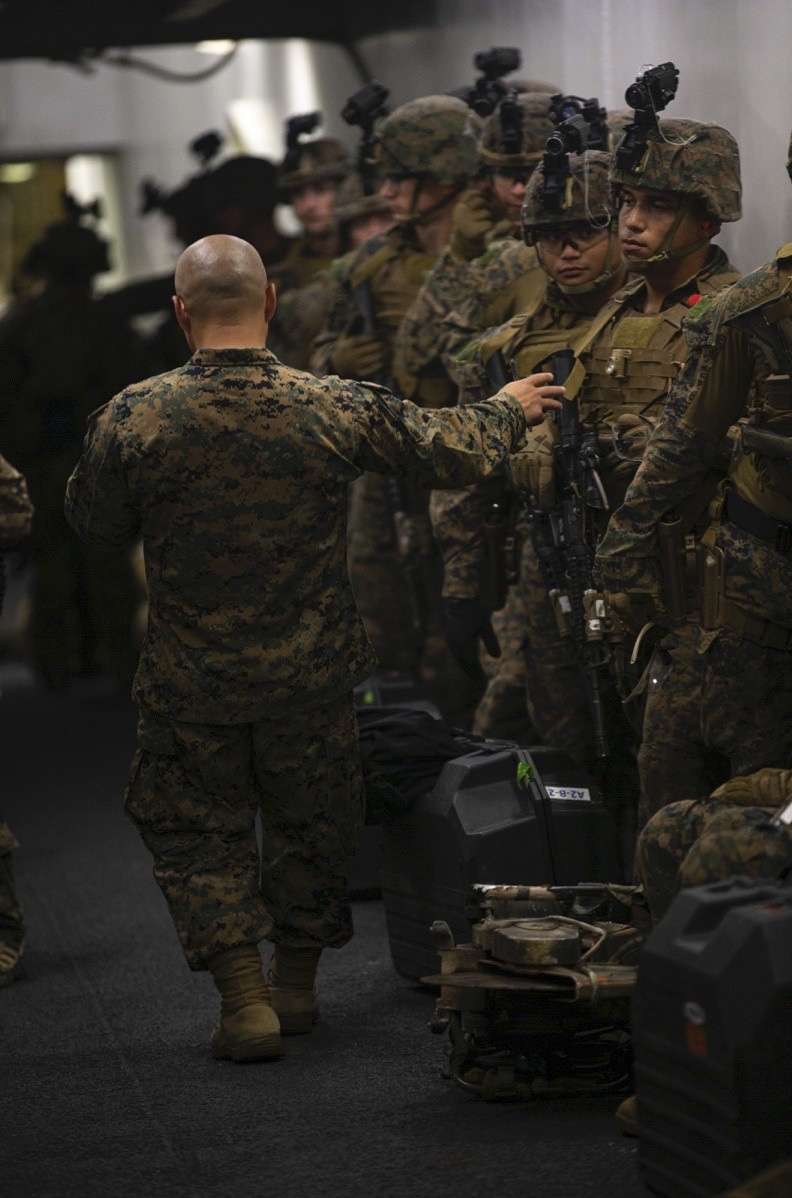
[16,517]
[721,677]
[234,469]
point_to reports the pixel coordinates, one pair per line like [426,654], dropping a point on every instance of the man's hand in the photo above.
[472,220]
[536,395]
[363,356]
[466,623]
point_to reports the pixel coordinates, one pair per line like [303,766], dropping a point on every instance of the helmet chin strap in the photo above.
[665,253]
[415,217]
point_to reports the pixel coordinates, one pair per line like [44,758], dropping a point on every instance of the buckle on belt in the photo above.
[783,538]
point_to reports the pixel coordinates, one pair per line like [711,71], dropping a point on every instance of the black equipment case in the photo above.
[712,1028]
[497,815]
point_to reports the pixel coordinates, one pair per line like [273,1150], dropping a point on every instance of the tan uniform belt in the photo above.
[752,628]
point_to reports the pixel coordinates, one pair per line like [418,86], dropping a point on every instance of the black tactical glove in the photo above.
[466,623]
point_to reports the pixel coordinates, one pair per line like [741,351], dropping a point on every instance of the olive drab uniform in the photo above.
[16,514]
[721,677]
[246,672]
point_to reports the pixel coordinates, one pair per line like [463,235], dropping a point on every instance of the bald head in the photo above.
[221,284]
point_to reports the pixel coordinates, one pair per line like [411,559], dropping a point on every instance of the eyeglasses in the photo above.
[579,237]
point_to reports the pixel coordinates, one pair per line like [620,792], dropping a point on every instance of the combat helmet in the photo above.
[688,158]
[313,162]
[433,136]
[514,135]
[67,252]
[246,180]
[587,199]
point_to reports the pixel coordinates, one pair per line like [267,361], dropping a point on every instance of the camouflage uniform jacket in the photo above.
[738,341]
[302,302]
[234,469]
[459,299]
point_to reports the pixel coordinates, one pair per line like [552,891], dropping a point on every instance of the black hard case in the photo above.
[479,824]
[712,1026]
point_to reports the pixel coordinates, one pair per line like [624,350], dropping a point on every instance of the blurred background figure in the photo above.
[63,354]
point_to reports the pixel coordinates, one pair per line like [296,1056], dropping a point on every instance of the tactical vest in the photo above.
[394,275]
[526,340]
[765,479]
[630,368]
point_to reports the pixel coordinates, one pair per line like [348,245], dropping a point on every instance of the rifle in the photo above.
[564,542]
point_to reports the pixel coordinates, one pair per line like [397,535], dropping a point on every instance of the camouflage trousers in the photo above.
[194,793]
[560,709]
[503,710]
[12,929]
[401,604]
[717,706]
[705,840]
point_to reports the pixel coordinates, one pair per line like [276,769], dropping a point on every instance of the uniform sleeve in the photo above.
[443,447]
[709,395]
[16,510]
[98,504]
[419,344]
[458,518]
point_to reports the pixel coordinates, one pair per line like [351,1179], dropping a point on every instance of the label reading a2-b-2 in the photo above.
[581,793]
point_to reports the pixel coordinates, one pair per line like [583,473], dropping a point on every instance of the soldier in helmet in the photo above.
[303,311]
[426,156]
[720,696]
[487,256]
[578,248]
[309,179]
[62,353]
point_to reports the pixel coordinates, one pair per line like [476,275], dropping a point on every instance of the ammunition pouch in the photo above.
[720,612]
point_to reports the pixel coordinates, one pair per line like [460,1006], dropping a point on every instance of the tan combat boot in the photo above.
[291,985]
[627,1116]
[249,1029]
[11,966]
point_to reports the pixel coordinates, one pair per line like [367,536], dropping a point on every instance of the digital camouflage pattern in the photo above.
[194,793]
[313,162]
[587,197]
[693,159]
[16,510]
[536,125]
[433,135]
[234,471]
[728,689]
[460,299]
[697,841]
[16,515]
